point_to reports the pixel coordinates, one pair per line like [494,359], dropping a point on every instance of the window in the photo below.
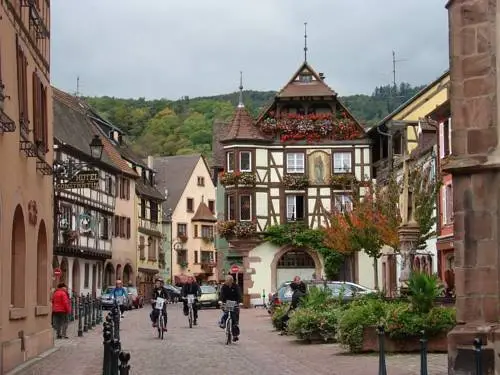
[230,161]
[153,211]
[445,138]
[86,278]
[182,229]
[189,204]
[201,181]
[211,206]
[22,91]
[245,161]
[448,204]
[296,259]
[196,257]
[305,77]
[104,228]
[207,231]
[207,257]
[195,231]
[397,144]
[294,207]
[151,248]
[108,185]
[181,256]
[295,162]
[40,131]
[117,226]
[123,224]
[343,203]
[342,162]
[231,212]
[143,208]
[245,207]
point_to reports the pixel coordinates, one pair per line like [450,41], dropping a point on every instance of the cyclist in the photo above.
[230,291]
[191,287]
[158,291]
[120,294]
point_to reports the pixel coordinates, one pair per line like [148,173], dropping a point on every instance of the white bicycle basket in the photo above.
[230,305]
[159,303]
[190,298]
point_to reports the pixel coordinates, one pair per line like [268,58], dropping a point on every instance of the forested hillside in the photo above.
[184,126]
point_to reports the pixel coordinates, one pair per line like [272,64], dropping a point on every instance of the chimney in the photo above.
[322,76]
[150,161]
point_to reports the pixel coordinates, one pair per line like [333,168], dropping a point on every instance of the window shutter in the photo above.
[444,210]
[449,135]
[441,140]
[117,226]
[128,228]
[128,189]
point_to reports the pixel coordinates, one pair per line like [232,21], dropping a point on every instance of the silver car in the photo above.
[107,299]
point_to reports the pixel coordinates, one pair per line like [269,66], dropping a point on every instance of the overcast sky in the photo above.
[172,48]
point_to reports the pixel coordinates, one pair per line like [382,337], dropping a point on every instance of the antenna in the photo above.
[240,102]
[393,92]
[305,41]
[77,93]
[394,62]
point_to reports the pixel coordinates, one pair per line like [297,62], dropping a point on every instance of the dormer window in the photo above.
[305,77]
[152,178]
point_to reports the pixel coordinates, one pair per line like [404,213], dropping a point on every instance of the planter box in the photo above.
[436,344]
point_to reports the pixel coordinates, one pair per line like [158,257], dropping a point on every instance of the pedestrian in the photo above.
[299,291]
[61,308]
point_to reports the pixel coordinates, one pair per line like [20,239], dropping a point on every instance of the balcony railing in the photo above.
[149,225]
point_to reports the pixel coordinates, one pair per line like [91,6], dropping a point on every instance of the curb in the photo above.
[33,360]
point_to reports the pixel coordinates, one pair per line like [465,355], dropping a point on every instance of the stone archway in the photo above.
[118,275]
[42,287]
[128,274]
[76,277]
[297,261]
[18,260]
[64,271]
[109,274]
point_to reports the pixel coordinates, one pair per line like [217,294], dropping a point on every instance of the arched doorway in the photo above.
[118,272]
[42,267]
[55,264]
[109,273]
[18,260]
[128,275]
[75,276]
[64,271]
[296,262]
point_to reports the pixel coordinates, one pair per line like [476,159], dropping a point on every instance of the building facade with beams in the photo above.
[287,166]
[84,247]
[26,132]
[187,184]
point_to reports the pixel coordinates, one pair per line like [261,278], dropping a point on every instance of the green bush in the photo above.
[401,321]
[309,323]
[439,320]
[353,319]
[278,314]
[423,290]
[318,297]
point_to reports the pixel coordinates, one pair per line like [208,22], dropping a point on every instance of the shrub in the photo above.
[439,320]
[278,314]
[317,297]
[309,323]
[423,289]
[401,321]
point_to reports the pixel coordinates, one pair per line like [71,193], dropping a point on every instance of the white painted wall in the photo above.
[365,270]
[262,276]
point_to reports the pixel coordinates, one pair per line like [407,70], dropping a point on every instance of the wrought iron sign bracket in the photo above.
[29,148]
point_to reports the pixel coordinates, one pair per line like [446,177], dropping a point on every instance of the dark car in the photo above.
[136,299]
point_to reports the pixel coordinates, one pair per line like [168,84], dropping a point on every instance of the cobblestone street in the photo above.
[201,350]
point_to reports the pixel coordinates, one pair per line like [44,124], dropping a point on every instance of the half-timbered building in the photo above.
[287,166]
[84,216]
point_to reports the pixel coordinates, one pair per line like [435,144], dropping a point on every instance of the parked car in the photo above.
[174,294]
[209,296]
[137,300]
[107,299]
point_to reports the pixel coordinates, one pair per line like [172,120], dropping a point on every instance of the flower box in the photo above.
[295,182]
[311,127]
[435,344]
[69,236]
[238,178]
[230,228]
[182,237]
[342,181]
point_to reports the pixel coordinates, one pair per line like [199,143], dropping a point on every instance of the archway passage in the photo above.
[64,271]
[55,264]
[295,262]
[128,275]
[109,273]
[42,267]
[118,275]
[18,260]
[75,277]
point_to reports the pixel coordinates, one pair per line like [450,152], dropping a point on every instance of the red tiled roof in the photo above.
[316,87]
[242,128]
[203,213]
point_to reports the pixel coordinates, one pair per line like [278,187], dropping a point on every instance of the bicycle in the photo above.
[190,302]
[161,322]
[229,308]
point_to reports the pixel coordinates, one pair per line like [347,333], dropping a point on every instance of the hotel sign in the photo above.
[83,180]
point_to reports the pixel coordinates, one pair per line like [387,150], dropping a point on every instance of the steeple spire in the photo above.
[240,102]
[305,41]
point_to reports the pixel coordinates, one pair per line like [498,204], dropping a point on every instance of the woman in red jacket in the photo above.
[61,307]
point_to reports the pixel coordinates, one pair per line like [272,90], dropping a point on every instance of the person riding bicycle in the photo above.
[120,295]
[161,292]
[231,292]
[191,287]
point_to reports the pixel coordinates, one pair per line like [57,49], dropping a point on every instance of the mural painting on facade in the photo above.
[319,167]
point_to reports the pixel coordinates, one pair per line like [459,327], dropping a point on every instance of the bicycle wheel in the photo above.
[229,331]
[162,326]
[159,323]
[190,317]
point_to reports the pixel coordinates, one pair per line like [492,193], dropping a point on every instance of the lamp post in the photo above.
[65,171]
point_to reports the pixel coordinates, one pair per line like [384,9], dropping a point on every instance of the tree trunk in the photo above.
[375,272]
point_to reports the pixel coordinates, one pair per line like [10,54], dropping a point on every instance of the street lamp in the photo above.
[96,147]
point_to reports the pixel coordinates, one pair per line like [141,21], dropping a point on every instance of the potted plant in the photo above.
[69,236]
[225,228]
[182,237]
[246,179]
[183,264]
[342,181]
[295,182]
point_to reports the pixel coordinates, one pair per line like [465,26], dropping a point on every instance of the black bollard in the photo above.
[85,314]
[423,355]
[107,343]
[77,311]
[92,305]
[382,368]
[478,355]
[99,311]
[116,321]
[124,367]
[80,317]
[115,356]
